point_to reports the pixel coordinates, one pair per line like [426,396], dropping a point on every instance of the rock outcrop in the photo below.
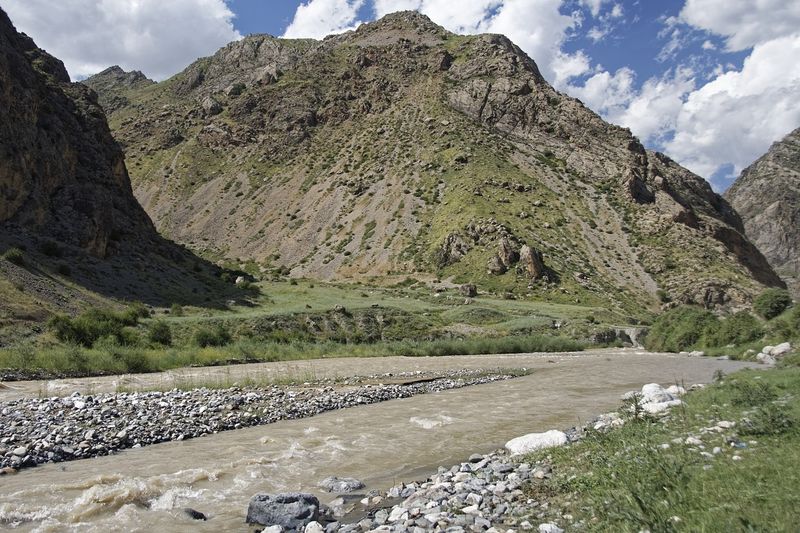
[767,197]
[66,201]
[403,149]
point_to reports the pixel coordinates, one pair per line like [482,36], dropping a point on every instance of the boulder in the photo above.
[550,527]
[536,441]
[292,510]
[765,359]
[531,261]
[655,393]
[781,349]
[343,484]
[496,266]
[469,290]
[211,106]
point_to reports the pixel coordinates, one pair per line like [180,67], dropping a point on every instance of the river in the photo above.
[400,440]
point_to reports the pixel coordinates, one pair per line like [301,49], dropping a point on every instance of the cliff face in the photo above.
[402,149]
[66,201]
[61,172]
[767,196]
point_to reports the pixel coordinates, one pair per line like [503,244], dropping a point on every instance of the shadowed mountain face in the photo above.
[66,200]
[402,149]
[767,196]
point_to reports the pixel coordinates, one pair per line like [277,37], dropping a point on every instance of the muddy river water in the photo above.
[400,440]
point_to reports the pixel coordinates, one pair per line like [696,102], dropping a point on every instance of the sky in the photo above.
[711,83]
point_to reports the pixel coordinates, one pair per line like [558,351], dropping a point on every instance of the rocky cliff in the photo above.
[66,203]
[402,149]
[767,196]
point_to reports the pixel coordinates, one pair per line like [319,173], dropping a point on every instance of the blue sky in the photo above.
[712,83]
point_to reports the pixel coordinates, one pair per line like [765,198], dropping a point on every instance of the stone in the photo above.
[289,510]
[550,527]
[314,527]
[655,393]
[194,514]
[469,290]
[781,350]
[765,359]
[344,484]
[20,451]
[536,441]
[398,513]
[531,262]
[211,106]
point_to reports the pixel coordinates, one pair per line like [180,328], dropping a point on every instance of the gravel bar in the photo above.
[55,429]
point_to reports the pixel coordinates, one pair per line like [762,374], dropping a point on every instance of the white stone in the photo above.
[314,527]
[470,509]
[717,450]
[660,407]
[536,441]
[765,359]
[781,349]
[272,529]
[655,393]
[398,513]
[697,353]
[725,424]
[676,390]
[737,457]
[767,349]
[693,441]
[550,527]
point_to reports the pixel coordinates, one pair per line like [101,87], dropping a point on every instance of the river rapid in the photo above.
[382,444]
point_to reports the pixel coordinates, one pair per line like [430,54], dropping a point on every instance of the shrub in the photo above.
[160,333]
[772,302]
[64,270]
[218,336]
[14,255]
[91,325]
[739,328]
[176,310]
[680,328]
[50,248]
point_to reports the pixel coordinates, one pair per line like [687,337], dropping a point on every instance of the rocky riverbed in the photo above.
[36,431]
[487,493]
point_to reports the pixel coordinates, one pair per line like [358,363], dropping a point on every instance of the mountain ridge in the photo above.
[402,149]
[767,194]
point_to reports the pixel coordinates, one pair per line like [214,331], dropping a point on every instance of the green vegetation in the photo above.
[88,327]
[640,478]
[772,302]
[693,328]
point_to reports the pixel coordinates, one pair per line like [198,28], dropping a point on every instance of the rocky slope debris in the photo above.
[402,149]
[767,197]
[58,429]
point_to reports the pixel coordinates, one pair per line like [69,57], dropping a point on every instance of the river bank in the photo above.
[56,429]
[382,444]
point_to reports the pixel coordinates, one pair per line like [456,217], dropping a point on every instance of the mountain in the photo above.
[767,196]
[400,149]
[71,232]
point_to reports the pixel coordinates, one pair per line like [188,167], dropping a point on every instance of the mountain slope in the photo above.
[71,231]
[401,148]
[767,196]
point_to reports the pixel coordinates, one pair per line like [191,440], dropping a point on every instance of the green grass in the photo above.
[625,481]
[107,358]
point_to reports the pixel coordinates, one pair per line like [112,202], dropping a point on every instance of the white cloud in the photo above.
[318,18]
[733,119]
[536,26]
[744,23]
[593,6]
[158,37]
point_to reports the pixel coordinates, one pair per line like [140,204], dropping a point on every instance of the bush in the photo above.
[14,255]
[772,302]
[739,328]
[160,333]
[91,325]
[64,270]
[176,310]
[680,329]
[218,336]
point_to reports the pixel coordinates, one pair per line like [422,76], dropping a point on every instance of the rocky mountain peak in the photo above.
[767,196]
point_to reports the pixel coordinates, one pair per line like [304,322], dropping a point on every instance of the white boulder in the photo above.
[536,441]
[655,393]
[765,359]
[676,390]
[550,528]
[781,349]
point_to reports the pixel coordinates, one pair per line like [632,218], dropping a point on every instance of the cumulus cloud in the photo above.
[536,26]
[744,23]
[733,119]
[158,37]
[318,18]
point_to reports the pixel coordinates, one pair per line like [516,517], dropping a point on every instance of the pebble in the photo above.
[41,430]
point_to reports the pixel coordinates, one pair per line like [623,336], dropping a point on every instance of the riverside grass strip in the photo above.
[687,471]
